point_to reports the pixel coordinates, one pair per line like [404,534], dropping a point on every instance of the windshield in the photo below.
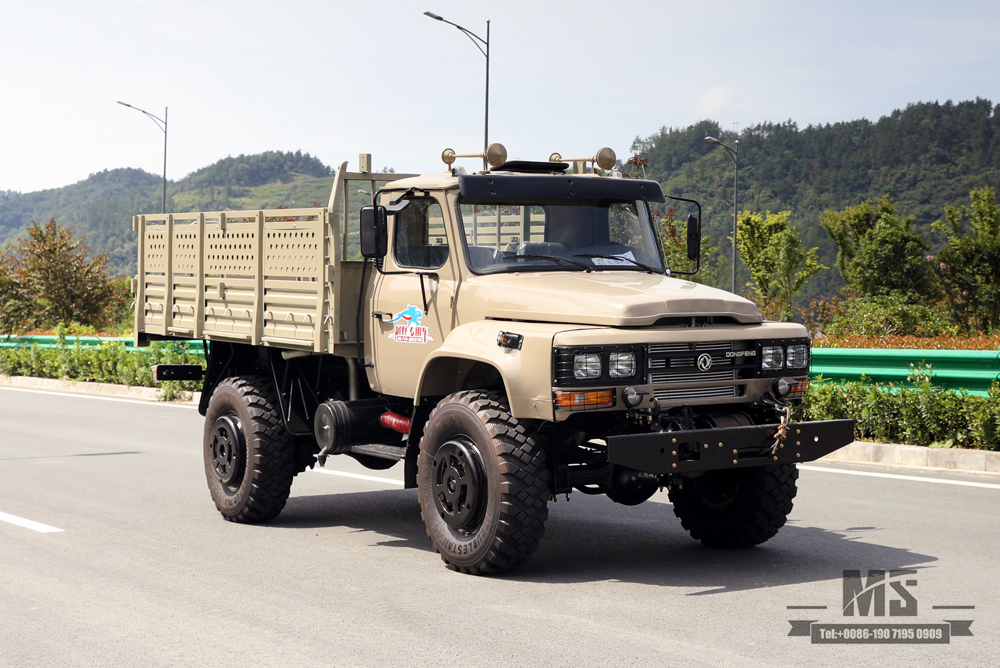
[589,236]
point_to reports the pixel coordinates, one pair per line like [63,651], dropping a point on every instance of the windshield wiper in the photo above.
[554,258]
[620,257]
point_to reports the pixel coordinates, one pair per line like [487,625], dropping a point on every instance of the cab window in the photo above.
[419,239]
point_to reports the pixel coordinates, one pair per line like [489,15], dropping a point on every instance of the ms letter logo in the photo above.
[865,595]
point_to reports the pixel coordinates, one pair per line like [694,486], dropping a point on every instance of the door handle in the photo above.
[381,315]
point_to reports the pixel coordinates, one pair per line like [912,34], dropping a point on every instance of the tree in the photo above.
[64,285]
[16,307]
[772,251]
[878,254]
[969,264]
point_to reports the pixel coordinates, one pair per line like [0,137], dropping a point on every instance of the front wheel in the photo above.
[736,508]
[483,484]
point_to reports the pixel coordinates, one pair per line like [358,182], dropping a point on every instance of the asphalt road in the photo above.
[145,572]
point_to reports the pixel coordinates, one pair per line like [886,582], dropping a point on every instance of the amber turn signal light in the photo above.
[584,400]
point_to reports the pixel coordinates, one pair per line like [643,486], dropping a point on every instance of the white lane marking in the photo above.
[894,476]
[28,524]
[98,396]
[358,476]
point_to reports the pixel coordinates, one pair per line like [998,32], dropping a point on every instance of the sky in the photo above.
[336,79]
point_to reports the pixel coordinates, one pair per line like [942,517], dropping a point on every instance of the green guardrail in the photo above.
[970,370]
[50,341]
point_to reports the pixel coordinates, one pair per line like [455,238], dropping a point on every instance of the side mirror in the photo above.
[693,237]
[374,232]
[375,227]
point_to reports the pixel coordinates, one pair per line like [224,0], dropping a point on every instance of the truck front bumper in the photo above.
[701,450]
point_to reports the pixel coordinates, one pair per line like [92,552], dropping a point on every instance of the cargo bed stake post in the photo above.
[257,326]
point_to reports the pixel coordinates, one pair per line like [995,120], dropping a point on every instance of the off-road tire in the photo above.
[515,477]
[737,508]
[263,468]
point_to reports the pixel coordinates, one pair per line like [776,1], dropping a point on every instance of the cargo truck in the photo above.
[509,335]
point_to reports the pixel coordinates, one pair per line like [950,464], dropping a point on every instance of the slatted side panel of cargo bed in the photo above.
[248,276]
[293,288]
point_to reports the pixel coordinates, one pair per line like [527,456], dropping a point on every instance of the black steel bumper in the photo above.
[712,449]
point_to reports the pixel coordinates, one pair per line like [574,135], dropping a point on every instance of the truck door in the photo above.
[414,296]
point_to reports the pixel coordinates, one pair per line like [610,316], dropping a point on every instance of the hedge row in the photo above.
[918,415]
[108,363]
[939,342]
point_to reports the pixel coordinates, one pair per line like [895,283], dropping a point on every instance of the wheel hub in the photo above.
[459,484]
[228,449]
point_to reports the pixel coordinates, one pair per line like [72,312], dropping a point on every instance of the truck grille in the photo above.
[723,392]
[674,363]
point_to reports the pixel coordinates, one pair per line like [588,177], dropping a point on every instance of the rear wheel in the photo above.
[483,484]
[736,508]
[249,457]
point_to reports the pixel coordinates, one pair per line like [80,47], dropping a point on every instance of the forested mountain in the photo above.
[100,208]
[925,157]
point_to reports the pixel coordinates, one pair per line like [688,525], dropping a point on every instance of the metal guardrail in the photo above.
[193,347]
[970,370]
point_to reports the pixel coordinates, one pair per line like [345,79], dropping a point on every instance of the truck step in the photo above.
[380,450]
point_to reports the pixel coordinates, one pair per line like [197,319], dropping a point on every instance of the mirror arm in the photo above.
[697,266]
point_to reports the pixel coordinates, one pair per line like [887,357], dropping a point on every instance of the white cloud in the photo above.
[714,103]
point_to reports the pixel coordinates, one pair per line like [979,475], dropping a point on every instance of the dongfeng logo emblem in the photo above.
[704,361]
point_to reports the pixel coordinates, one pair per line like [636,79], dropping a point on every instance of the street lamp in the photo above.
[485,42]
[735,155]
[162,124]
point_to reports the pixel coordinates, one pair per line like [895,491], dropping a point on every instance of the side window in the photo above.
[419,238]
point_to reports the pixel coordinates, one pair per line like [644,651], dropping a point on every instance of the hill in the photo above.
[925,157]
[100,208]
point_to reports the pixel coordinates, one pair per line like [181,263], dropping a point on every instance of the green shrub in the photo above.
[110,362]
[919,414]
[889,315]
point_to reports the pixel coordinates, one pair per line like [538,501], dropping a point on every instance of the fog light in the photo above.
[584,400]
[586,366]
[632,396]
[772,358]
[790,388]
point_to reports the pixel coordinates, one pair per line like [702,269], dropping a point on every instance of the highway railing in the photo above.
[971,370]
[51,341]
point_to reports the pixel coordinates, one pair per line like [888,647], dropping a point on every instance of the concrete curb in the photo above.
[859,452]
[916,456]
[98,389]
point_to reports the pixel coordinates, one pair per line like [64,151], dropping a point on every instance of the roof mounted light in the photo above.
[604,158]
[495,155]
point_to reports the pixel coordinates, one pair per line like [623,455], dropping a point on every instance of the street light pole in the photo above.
[735,155]
[162,124]
[485,42]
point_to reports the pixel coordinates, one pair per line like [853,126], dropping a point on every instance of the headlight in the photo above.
[798,356]
[622,365]
[586,366]
[772,358]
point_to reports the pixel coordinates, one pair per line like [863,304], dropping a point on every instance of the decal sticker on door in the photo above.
[408,328]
